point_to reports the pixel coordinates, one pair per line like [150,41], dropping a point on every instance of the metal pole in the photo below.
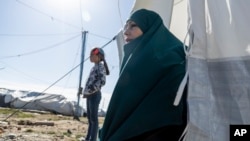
[76,115]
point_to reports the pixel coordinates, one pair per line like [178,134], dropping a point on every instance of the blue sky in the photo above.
[41,41]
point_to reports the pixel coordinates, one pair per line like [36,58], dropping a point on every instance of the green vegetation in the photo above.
[51,132]
[18,113]
[66,134]
[79,136]
[29,130]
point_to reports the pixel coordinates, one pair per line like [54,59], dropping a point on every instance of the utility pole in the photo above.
[76,114]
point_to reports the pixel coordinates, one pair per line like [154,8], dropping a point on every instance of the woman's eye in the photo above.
[129,26]
[133,25]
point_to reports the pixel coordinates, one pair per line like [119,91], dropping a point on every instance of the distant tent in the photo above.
[38,101]
[218,61]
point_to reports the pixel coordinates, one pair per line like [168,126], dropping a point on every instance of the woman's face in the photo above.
[131,31]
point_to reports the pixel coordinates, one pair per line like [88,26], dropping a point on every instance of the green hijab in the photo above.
[152,69]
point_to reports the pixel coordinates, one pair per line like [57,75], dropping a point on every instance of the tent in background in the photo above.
[31,100]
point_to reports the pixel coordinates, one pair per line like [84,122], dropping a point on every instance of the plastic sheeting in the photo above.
[219,68]
[38,101]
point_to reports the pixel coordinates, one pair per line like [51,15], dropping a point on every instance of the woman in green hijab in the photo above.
[141,107]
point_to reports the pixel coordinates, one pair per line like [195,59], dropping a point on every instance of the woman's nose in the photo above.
[125,31]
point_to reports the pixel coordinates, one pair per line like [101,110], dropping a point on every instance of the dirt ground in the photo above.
[41,126]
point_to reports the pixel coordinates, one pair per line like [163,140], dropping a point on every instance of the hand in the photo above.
[78,94]
[79,91]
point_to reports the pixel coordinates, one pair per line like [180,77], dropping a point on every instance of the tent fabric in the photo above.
[163,7]
[55,103]
[219,68]
[47,102]
[120,43]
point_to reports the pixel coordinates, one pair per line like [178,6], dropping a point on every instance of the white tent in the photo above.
[38,101]
[218,61]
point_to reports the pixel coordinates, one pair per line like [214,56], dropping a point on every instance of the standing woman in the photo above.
[92,91]
[142,104]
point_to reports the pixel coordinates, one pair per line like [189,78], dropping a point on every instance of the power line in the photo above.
[100,36]
[24,34]
[45,14]
[53,18]
[23,73]
[40,50]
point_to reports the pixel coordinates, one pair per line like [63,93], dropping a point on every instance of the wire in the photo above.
[45,14]
[81,13]
[109,41]
[53,34]
[99,36]
[178,2]
[42,93]
[74,62]
[40,50]
[119,11]
[23,74]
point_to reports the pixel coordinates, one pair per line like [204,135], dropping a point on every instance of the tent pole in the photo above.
[76,114]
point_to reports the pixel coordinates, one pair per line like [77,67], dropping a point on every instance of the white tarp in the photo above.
[173,13]
[219,68]
[37,101]
[163,7]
